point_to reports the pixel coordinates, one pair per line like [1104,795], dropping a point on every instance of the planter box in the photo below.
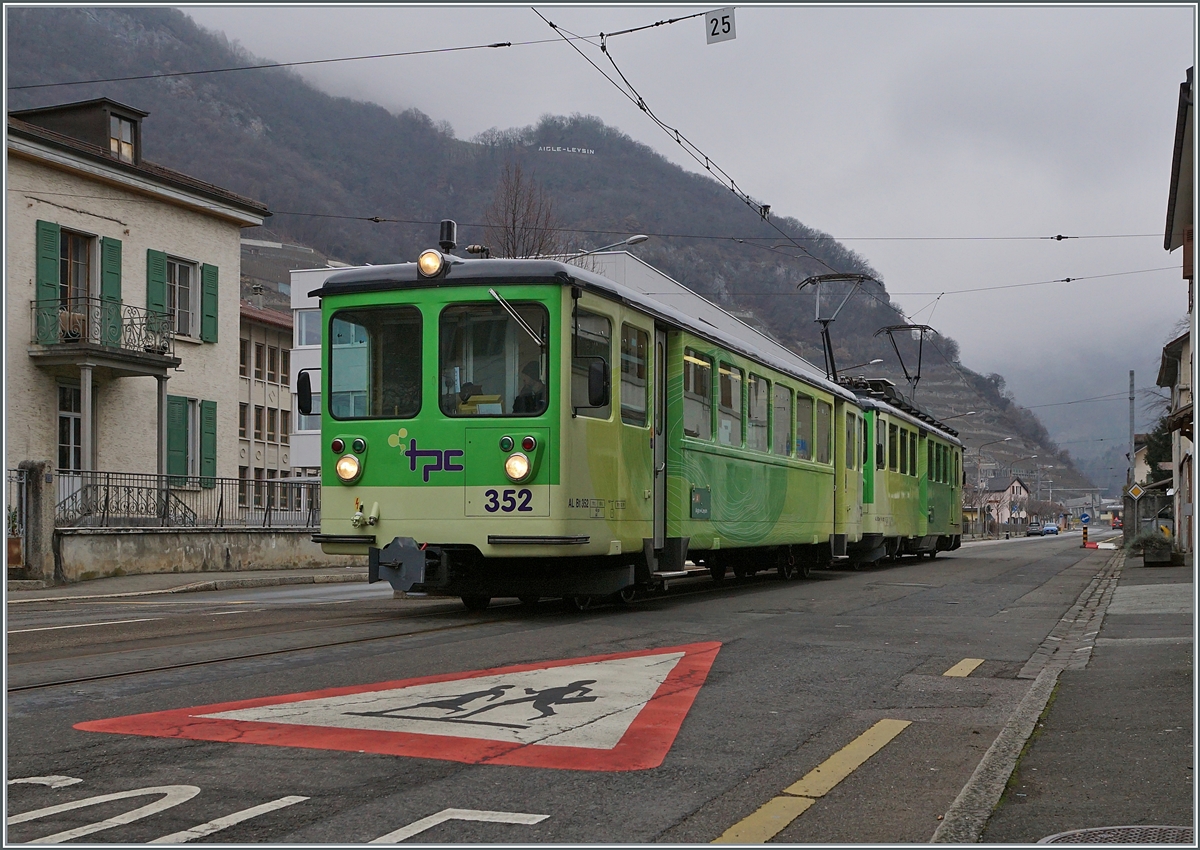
[1157,555]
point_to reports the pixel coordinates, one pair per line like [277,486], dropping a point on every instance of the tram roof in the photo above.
[667,300]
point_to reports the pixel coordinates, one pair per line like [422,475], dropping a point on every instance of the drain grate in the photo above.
[1125,835]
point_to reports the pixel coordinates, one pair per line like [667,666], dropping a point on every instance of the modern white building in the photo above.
[122,300]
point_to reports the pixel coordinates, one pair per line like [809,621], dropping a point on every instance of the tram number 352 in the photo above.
[508,501]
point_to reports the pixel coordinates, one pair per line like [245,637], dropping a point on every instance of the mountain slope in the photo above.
[325,164]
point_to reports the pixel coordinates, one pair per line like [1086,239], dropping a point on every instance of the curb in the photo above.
[967,817]
[216,584]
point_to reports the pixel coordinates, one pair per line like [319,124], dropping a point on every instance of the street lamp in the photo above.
[871,363]
[632,240]
[957,415]
[979,474]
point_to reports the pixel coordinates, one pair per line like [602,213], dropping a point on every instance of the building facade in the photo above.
[264,401]
[123,306]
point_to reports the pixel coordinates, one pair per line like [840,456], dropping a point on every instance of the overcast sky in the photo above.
[921,137]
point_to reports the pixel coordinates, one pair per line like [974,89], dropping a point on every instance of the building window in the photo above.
[258,486]
[311,422]
[259,356]
[181,295]
[258,422]
[70,430]
[74,270]
[285,367]
[192,439]
[242,470]
[285,425]
[308,327]
[243,415]
[272,425]
[120,138]
[272,364]
[244,357]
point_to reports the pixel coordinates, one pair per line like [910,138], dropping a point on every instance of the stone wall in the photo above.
[87,553]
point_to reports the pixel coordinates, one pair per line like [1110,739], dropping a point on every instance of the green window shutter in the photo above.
[156,289]
[46,291]
[208,443]
[110,292]
[208,303]
[177,437]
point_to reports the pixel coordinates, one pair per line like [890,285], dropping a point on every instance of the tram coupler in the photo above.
[401,563]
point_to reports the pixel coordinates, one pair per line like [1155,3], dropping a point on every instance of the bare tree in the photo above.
[521,222]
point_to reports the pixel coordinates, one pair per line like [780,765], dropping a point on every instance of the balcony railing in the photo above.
[126,499]
[98,321]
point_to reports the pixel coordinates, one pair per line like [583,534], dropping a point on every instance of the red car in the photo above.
[1116,522]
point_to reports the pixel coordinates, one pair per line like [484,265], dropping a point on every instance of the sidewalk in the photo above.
[1114,746]
[160,583]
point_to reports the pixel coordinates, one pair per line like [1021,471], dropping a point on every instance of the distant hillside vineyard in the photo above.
[324,164]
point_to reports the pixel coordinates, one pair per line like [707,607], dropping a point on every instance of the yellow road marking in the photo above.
[964,667]
[767,822]
[777,813]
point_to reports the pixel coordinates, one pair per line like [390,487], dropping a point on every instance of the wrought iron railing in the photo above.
[99,321]
[125,499]
[15,517]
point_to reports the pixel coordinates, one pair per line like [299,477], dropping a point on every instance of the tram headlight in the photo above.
[430,263]
[348,468]
[517,467]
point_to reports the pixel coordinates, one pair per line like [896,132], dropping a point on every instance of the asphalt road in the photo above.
[718,701]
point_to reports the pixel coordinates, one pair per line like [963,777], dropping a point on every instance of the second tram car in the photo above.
[528,428]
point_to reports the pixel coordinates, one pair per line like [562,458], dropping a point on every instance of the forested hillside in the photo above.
[324,165]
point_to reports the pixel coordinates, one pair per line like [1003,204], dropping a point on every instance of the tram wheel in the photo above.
[626,595]
[787,567]
[476,603]
[933,554]
[742,571]
[577,603]
[717,571]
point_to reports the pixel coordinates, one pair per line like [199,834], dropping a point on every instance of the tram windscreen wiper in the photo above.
[524,325]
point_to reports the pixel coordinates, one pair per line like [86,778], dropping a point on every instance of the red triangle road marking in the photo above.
[612,712]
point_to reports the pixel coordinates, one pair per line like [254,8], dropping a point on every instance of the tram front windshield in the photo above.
[375,363]
[489,365]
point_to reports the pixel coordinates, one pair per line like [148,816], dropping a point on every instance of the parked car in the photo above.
[1049,528]
[1034,530]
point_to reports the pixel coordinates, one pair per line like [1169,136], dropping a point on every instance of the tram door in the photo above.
[659,435]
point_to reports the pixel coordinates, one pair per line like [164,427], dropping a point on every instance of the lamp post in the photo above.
[1010,479]
[871,363]
[979,473]
[632,240]
[956,416]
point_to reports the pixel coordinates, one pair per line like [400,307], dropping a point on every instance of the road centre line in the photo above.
[774,815]
[964,667]
[83,625]
[229,820]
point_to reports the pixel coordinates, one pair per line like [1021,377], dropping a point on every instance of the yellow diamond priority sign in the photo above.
[1136,492]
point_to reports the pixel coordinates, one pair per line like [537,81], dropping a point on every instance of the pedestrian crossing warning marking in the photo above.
[605,712]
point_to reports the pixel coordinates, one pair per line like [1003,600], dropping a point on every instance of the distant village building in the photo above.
[122,321]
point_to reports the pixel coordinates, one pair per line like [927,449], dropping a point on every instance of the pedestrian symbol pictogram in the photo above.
[607,712]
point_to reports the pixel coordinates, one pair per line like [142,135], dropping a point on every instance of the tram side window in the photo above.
[635,345]
[729,406]
[941,464]
[893,449]
[697,395]
[930,451]
[851,445]
[880,443]
[824,431]
[912,454]
[904,451]
[593,339]
[758,393]
[782,443]
[375,363]
[956,478]
[804,427]
[488,364]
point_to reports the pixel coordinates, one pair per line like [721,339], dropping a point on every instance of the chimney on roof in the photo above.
[256,297]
